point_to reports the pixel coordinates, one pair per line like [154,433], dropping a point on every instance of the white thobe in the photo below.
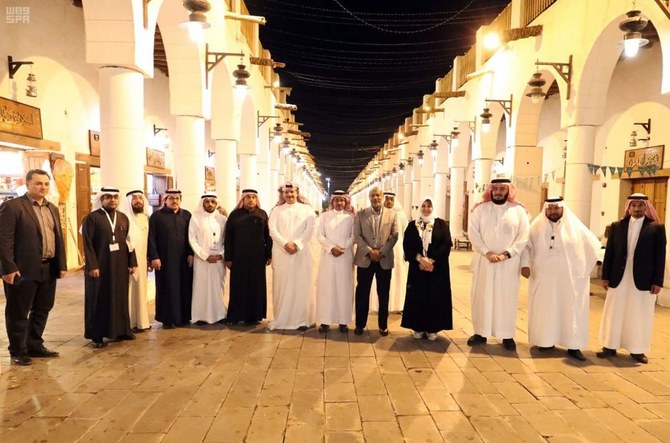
[335,281]
[137,284]
[292,283]
[495,286]
[399,276]
[628,314]
[558,289]
[205,235]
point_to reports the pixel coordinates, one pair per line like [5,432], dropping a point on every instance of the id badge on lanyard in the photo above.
[113,246]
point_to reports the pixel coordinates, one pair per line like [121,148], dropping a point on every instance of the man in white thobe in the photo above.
[205,235]
[335,281]
[137,209]
[633,271]
[291,227]
[498,230]
[560,255]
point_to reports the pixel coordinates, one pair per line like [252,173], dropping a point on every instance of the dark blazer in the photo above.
[649,257]
[21,240]
[364,237]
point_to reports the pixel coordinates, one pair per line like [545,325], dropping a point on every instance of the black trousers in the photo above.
[364,278]
[27,309]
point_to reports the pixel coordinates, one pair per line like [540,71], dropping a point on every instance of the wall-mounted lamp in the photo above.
[632,26]
[433,151]
[217,57]
[486,115]
[285,146]
[633,139]
[419,156]
[646,125]
[157,129]
[241,75]
[261,119]
[563,69]
[536,83]
[31,81]
[210,153]
[197,20]
[486,120]
[276,132]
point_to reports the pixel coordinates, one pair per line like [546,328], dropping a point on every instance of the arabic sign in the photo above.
[19,119]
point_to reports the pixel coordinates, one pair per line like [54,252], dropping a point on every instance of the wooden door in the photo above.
[83,201]
[656,189]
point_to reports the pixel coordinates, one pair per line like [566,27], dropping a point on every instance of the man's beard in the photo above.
[554,217]
[501,200]
[138,209]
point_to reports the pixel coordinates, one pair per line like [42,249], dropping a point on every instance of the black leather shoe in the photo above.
[606,353]
[384,332]
[126,337]
[546,348]
[358,331]
[302,328]
[168,326]
[576,354]
[43,353]
[509,344]
[476,340]
[344,328]
[139,330]
[640,358]
[323,328]
[98,344]
[21,360]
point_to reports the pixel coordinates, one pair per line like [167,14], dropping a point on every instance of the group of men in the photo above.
[558,252]
[191,253]
[186,252]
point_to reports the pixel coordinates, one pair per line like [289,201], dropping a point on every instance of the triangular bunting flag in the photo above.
[553,175]
[629,170]
[612,169]
[619,171]
[604,169]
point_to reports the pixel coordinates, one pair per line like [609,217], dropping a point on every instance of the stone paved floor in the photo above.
[247,384]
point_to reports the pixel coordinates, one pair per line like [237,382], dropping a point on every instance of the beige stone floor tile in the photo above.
[143,438]
[368,380]
[344,437]
[303,433]
[375,408]
[268,424]
[337,348]
[438,399]
[99,404]
[625,405]
[479,381]
[164,412]
[188,429]
[340,392]
[382,432]
[246,389]
[230,425]
[308,381]
[494,429]
[209,397]
[123,416]
[363,361]
[70,429]
[287,359]
[536,385]
[621,426]
[311,364]
[514,392]
[455,426]
[419,429]
[34,429]
[337,362]
[475,405]
[342,417]
[658,428]
[64,405]
[644,381]
[338,375]
[391,364]
[583,425]
[545,421]
[554,403]
[621,383]
[403,394]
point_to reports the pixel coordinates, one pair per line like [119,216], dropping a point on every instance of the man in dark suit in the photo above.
[32,257]
[632,273]
[375,234]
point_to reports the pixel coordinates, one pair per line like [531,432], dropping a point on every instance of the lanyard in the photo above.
[112,224]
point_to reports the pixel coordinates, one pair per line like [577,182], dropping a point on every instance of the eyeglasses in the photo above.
[173,198]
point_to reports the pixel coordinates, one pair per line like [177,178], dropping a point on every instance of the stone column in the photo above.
[248,171]
[226,171]
[189,157]
[578,180]
[122,150]
[456,204]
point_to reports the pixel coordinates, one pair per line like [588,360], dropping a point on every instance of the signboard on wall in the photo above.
[94,142]
[644,157]
[20,119]
[155,158]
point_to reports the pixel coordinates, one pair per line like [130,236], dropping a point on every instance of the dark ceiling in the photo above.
[359,67]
